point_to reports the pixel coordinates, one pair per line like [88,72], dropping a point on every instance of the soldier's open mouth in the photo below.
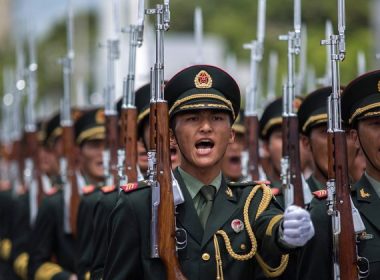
[173,151]
[204,146]
[235,160]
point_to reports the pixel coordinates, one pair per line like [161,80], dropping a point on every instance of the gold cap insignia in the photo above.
[378,86]
[364,194]
[229,192]
[100,117]
[203,80]
[296,104]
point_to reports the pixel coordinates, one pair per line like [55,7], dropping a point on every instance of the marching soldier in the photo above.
[361,110]
[53,253]
[203,103]
[109,196]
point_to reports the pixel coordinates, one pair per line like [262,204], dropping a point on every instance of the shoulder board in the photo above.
[53,190]
[108,189]
[321,194]
[243,184]
[88,189]
[134,186]
[275,191]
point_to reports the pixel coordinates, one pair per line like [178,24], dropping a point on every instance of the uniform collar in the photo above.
[375,184]
[194,185]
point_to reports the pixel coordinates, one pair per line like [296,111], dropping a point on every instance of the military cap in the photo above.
[142,102]
[238,125]
[313,110]
[202,87]
[361,98]
[272,116]
[53,130]
[41,131]
[90,126]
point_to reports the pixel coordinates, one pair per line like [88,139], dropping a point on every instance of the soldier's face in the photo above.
[232,165]
[318,146]
[368,136]
[48,161]
[202,137]
[274,148]
[91,159]
[142,157]
[355,158]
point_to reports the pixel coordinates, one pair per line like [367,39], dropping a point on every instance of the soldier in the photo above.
[53,253]
[203,103]
[232,162]
[361,110]
[313,125]
[108,198]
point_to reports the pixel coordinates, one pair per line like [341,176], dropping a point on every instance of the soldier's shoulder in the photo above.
[54,191]
[89,189]
[108,189]
[136,186]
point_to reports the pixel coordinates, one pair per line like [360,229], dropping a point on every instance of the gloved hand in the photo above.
[297,227]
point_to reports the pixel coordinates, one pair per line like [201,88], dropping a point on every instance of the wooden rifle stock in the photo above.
[68,153]
[166,211]
[129,140]
[112,143]
[338,171]
[294,156]
[252,140]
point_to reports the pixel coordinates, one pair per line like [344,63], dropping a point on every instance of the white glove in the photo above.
[297,227]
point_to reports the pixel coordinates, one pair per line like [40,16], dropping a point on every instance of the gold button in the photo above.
[205,257]
[242,246]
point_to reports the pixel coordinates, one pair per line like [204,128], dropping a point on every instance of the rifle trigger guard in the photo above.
[181,238]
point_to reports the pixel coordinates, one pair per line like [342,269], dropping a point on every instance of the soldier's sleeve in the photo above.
[123,259]
[40,266]
[20,236]
[102,211]
[85,232]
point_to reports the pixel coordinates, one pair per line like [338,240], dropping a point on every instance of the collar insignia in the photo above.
[203,80]
[229,192]
[364,194]
[237,225]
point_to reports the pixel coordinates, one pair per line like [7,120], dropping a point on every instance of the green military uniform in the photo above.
[89,126]
[360,101]
[108,195]
[129,251]
[314,184]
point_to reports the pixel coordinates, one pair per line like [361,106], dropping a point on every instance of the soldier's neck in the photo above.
[204,175]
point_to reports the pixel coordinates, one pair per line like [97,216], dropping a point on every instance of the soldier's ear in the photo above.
[232,136]
[173,140]
[355,138]
[305,141]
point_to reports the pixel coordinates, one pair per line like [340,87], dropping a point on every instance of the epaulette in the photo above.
[321,194]
[135,186]
[108,189]
[53,190]
[88,189]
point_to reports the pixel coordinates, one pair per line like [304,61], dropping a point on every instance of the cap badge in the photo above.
[203,80]
[378,86]
[364,194]
[99,117]
[237,225]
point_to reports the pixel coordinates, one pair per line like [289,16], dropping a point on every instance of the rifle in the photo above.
[67,161]
[198,34]
[163,227]
[110,152]
[345,221]
[32,171]
[251,118]
[290,163]
[128,108]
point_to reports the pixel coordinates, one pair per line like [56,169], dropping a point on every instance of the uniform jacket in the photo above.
[129,230]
